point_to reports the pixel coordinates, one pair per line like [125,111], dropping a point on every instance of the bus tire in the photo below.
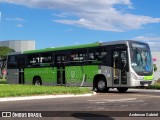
[37,81]
[122,89]
[101,85]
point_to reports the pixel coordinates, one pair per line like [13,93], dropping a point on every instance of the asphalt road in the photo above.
[133,100]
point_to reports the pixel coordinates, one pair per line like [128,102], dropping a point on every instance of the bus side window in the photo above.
[12,62]
[78,57]
[97,56]
[33,60]
[68,59]
[46,60]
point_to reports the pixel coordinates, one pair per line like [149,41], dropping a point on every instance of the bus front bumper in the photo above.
[137,83]
[145,83]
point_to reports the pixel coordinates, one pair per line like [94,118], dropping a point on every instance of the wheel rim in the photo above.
[37,82]
[101,84]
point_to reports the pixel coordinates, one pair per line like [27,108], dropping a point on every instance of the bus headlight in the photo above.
[134,76]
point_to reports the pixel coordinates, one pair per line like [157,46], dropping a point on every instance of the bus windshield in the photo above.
[141,60]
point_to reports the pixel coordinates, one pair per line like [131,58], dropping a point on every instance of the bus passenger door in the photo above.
[60,69]
[21,65]
[119,64]
[12,70]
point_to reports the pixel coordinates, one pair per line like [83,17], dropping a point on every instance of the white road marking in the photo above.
[147,95]
[143,90]
[100,102]
[113,100]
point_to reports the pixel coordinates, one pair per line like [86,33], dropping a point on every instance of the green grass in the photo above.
[2,81]
[155,86]
[29,90]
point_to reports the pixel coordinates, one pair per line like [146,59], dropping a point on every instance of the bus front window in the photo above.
[141,60]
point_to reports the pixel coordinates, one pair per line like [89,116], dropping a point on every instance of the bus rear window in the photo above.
[11,59]
[12,62]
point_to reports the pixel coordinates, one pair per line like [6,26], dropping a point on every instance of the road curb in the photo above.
[146,90]
[42,97]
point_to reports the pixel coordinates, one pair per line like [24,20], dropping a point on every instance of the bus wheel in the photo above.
[122,89]
[101,85]
[37,81]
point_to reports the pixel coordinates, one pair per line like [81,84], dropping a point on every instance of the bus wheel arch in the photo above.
[100,83]
[37,80]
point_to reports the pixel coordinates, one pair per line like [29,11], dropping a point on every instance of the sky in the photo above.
[57,23]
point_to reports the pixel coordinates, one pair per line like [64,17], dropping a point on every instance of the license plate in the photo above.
[146,84]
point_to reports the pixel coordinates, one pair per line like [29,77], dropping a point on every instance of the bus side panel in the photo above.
[107,72]
[90,72]
[48,75]
[12,76]
[80,75]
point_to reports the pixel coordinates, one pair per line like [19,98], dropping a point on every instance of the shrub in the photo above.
[155,67]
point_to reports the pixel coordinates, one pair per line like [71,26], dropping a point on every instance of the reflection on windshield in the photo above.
[141,60]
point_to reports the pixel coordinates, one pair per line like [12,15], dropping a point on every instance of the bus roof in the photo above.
[63,48]
[116,42]
[80,46]
[121,42]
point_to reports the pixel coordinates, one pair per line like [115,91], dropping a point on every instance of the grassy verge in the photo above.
[2,81]
[29,90]
[155,86]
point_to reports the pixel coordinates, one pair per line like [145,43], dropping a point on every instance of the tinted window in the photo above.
[33,60]
[78,57]
[46,59]
[12,62]
[97,56]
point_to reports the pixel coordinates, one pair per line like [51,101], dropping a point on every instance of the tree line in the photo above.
[4,51]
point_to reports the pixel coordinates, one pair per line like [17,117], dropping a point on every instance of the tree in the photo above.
[3,56]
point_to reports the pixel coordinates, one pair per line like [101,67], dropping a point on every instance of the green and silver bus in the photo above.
[117,64]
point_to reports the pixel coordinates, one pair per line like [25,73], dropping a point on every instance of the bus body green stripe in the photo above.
[47,74]
[72,73]
[76,74]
